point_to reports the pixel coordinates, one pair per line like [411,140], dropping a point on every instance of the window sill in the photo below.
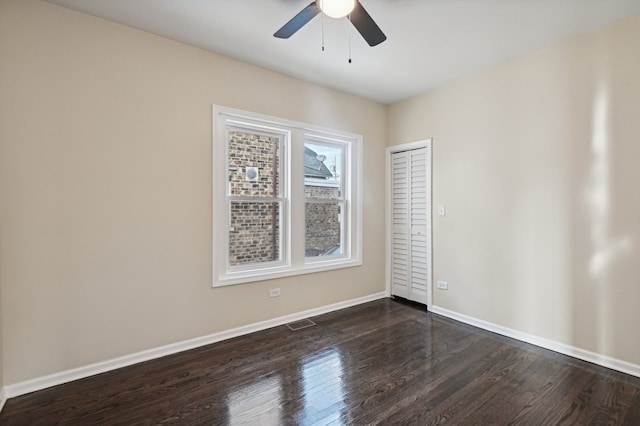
[242,277]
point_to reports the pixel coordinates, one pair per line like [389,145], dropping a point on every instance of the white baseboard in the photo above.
[572,351]
[3,397]
[55,379]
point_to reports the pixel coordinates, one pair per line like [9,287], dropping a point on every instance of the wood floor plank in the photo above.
[383,362]
[534,376]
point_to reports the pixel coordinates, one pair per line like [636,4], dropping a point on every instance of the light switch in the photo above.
[442,210]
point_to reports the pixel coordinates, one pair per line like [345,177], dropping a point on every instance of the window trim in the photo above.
[294,262]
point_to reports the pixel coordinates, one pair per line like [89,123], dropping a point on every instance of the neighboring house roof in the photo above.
[314,167]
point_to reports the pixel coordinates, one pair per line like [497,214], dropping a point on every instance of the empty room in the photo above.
[296,212]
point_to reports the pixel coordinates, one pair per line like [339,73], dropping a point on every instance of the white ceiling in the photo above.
[430,42]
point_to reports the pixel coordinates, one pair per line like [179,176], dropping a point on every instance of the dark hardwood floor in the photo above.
[383,362]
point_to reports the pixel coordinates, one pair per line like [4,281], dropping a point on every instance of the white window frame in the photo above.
[343,200]
[293,260]
[285,136]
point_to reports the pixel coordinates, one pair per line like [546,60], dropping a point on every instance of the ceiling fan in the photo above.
[358,16]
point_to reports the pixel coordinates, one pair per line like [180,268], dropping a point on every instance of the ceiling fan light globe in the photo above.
[336,8]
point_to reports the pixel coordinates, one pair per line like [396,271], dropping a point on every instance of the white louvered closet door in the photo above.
[409,216]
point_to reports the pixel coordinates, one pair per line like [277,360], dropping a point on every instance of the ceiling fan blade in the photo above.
[298,21]
[366,26]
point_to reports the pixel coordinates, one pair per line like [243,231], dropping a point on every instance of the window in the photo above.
[254,195]
[286,198]
[324,198]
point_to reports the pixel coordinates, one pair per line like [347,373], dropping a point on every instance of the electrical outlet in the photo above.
[274,292]
[443,285]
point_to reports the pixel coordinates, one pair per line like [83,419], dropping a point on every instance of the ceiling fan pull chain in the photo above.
[349,38]
[323,32]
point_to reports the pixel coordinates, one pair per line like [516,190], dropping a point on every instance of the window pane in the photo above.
[323,229]
[323,171]
[254,232]
[253,164]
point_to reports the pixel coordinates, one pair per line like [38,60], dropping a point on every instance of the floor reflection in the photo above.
[258,403]
[323,387]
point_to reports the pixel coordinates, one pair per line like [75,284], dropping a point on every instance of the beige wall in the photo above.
[537,161]
[1,340]
[105,190]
